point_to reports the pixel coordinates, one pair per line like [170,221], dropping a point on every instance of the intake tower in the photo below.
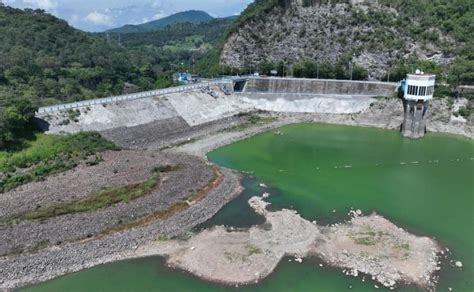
[418,90]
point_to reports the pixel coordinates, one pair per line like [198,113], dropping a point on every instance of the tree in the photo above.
[16,121]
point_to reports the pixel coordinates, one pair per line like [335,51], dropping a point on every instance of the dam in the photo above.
[306,86]
[184,107]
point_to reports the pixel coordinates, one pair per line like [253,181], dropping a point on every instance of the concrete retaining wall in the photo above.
[133,96]
[319,86]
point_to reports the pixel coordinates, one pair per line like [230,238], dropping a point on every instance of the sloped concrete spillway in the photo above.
[306,86]
[203,107]
[312,95]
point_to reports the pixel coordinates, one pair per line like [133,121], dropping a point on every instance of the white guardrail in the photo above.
[112,99]
[158,92]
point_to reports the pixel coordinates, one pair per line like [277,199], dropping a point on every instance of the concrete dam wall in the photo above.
[303,86]
[204,104]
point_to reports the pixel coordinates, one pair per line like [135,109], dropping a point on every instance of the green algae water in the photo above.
[425,186]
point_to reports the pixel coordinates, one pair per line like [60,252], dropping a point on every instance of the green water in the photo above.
[426,186]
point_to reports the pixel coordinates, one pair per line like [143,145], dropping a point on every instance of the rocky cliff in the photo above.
[373,34]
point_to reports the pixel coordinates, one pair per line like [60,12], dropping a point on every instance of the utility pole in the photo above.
[317,70]
[352,68]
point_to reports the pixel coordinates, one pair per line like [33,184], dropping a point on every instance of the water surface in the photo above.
[425,186]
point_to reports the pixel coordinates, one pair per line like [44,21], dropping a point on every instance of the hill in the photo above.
[45,60]
[192,36]
[191,16]
[374,38]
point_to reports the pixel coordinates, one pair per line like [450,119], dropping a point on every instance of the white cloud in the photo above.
[158,16]
[48,5]
[98,18]
[75,18]
[99,15]
[157,4]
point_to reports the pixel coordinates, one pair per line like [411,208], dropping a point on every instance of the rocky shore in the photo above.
[72,253]
[366,244]
[384,113]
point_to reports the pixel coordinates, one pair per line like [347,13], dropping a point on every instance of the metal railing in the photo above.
[133,96]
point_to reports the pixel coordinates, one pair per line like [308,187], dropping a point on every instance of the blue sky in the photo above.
[99,15]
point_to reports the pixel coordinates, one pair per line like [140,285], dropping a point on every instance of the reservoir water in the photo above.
[425,186]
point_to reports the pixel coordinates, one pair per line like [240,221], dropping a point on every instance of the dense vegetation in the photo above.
[210,32]
[180,47]
[16,122]
[45,60]
[191,16]
[49,154]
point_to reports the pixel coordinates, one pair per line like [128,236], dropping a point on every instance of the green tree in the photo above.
[16,122]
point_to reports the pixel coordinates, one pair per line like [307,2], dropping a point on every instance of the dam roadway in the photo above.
[278,87]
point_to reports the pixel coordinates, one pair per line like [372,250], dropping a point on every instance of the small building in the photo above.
[419,87]
[418,90]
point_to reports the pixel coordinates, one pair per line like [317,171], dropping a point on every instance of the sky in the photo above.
[100,15]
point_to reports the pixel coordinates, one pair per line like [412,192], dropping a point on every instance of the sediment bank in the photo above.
[108,241]
[366,244]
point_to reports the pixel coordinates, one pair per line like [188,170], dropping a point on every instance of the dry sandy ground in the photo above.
[368,244]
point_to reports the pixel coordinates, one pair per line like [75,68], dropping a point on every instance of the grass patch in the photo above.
[163,238]
[251,250]
[405,246]
[177,207]
[368,236]
[252,120]
[466,111]
[73,115]
[48,154]
[99,200]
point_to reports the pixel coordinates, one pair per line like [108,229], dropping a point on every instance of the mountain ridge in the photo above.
[191,16]
[378,36]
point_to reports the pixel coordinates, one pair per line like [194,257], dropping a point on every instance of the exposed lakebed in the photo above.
[425,186]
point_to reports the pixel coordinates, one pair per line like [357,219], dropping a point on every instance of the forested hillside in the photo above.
[182,46]
[191,16]
[206,33]
[45,60]
[376,38]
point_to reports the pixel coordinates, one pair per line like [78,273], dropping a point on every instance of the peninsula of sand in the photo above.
[365,244]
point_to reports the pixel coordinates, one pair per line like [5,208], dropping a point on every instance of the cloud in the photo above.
[99,15]
[159,15]
[48,5]
[98,18]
